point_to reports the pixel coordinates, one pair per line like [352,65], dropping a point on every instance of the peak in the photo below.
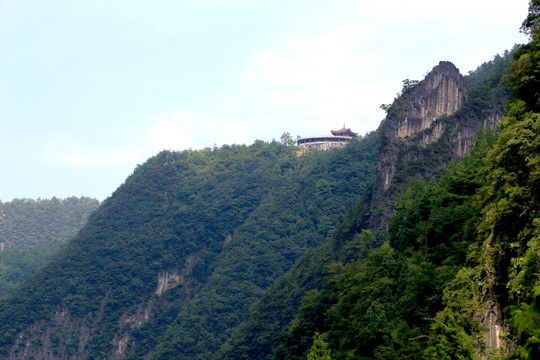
[446,66]
[446,63]
[441,93]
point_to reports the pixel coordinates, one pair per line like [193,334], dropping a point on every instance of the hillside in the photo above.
[417,241]
[32,231]
[433,122]
[184,246]
[457,274]
[26,223]
[410,152]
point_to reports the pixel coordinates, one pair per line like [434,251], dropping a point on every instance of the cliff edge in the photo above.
[430,123]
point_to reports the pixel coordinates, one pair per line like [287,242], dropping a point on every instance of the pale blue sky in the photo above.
[90,89]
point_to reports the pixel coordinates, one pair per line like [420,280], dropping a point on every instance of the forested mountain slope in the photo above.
[32,231]
[167,266]
[255,252]
[25,223]
[412,149]
[432,122]
[458,277]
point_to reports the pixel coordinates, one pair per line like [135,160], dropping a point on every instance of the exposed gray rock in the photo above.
[424,126]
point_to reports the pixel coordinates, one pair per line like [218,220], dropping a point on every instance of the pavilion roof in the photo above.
[344,131]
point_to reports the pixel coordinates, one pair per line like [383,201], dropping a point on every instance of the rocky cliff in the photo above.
[429,124]
[441,93]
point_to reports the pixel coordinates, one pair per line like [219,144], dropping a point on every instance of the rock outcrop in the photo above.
[426,127]
[429,124]
[441,93]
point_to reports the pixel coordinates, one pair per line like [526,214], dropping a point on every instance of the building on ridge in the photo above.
[339,138]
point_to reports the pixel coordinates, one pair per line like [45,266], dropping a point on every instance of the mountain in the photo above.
[456,274]
[412,149]
[168,265]
[32,231]
[420,240]
[432,122]
[26,223]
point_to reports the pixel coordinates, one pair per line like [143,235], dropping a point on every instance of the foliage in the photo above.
[530,24]
[25,223]
[524,75]
[491,72]
[229,220]
[526,319]
[18,265]
[408,86]
[374,307]
[243,223]
[254,338]
[456,331]
[291,219]
[286,139]
[459,246]
[32,231]
[319,350]
[433,228]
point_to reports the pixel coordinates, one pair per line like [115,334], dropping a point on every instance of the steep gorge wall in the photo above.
[430,124]
[424,129]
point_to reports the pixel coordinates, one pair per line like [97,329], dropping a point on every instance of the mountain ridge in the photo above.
[252,251]
[205,218]
[360,229]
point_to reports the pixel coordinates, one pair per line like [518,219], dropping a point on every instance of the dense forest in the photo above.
[263,333]
[26,223]
[265,252]
[457,278]
[191,237]
[32,231]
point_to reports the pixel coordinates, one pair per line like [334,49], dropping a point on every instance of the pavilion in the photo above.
[339,138]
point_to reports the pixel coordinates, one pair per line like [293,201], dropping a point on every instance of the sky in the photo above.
[91,89]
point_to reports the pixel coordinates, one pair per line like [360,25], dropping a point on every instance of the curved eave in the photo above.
[343,132]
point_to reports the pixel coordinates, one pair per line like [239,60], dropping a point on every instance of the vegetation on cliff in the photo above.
[271,328]
[462,262]
[254,252]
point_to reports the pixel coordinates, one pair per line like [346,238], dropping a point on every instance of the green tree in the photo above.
[524,73]
[530,24]
[319,350]
[526,319]
[33,231]
[286,139]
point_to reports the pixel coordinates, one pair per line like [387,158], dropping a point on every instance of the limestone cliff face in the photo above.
[441,93]
[425,128]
